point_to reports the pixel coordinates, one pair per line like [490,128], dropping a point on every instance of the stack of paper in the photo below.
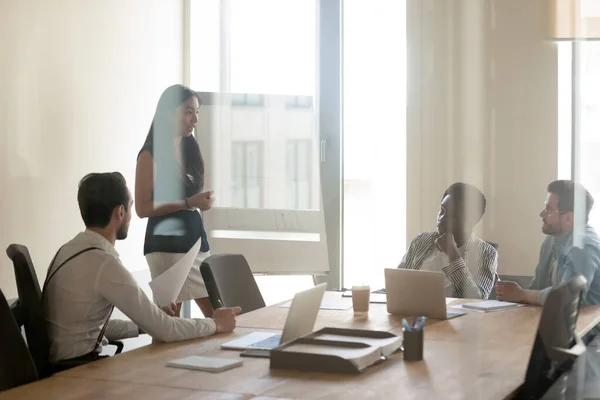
[489,305]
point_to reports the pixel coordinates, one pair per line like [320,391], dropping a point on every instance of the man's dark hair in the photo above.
[98,195]
[466,195]
[566,191]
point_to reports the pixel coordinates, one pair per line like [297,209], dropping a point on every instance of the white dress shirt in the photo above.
[80,296]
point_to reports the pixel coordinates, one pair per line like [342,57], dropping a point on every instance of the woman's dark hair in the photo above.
[98,195]
[467,197]
[160,138]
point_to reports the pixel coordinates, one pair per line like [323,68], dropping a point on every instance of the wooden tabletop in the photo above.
[447,372]
[273,317]
[475,356]
[466,328]
[66,388]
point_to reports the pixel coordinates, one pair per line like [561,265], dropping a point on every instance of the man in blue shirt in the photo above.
[571,248]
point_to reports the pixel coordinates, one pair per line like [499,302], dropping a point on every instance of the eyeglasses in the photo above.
[548,211]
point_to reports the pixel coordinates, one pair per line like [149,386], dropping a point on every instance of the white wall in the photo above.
[482,107]
[79,82]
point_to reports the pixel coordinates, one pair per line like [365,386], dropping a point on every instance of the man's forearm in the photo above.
[117,329]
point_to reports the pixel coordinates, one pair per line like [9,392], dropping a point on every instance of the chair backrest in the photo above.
[555,334]
[493,291]
[30,302]
[229,280]
[16,365]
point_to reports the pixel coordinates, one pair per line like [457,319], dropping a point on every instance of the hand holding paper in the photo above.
[171,309]
[166,287]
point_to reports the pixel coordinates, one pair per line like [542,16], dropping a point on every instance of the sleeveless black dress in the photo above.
[170,236]
[176,232]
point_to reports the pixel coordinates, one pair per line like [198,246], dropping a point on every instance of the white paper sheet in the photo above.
[326,304]
[460,307]
[166,286]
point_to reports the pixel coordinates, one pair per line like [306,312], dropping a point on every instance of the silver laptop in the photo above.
[300,321]
[412,292]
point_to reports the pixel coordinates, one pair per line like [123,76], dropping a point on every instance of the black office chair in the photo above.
[16,365]
[556,346]
[229,282]
[28,311]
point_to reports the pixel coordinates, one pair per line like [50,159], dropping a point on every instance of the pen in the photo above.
[421,323]
[405,325]
[497,277]
[414,323]
[220,303]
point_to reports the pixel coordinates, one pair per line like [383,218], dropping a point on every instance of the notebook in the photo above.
[490,305]
[210,364]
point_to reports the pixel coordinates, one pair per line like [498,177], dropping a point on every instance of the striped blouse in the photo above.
[472,275]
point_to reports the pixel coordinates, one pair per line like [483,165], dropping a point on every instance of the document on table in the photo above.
[487,306]
[166,286]
[326,304]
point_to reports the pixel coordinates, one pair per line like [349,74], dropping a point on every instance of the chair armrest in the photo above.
[118,344]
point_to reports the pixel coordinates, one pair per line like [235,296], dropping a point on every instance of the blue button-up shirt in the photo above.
[577,253]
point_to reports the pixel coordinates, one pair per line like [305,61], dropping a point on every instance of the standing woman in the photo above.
[169,191]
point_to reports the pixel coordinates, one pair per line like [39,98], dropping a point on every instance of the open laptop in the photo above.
[412,292]
[300,321]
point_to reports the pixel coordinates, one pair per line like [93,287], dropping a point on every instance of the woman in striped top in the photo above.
[468,263]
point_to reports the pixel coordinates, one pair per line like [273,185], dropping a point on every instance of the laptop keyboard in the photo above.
[268,343]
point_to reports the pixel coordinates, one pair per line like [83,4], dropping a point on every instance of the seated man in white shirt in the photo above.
[86,280]
[468,263]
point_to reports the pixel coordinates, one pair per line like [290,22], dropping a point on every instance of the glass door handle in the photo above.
[323,150]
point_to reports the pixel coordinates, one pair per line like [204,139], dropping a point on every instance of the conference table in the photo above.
[475,356]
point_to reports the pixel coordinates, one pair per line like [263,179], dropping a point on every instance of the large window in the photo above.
[589,162]
[292,58]
[263,68]
[579,93]
[260,59]
[374,138]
